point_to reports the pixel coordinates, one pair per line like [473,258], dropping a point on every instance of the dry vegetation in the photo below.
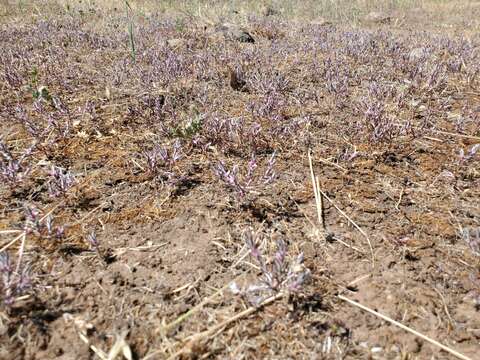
[156,189]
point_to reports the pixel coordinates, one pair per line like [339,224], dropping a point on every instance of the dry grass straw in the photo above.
[120,346]
[406,328]
[192,340]
[24,233]
[81,328]
[167,328]
[319,194]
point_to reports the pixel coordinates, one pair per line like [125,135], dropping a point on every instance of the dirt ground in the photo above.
[156,193]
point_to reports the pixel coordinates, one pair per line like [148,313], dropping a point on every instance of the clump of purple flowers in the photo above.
[348,154]
[469,155]
[376,121]
[45,228]
[161,160]
[472,239]
[14,282]
[93,241]
[60,181]
[276,276]
[13,170]
[243,185]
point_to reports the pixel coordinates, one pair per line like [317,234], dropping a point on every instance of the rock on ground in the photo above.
[235,32]
[378,17]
